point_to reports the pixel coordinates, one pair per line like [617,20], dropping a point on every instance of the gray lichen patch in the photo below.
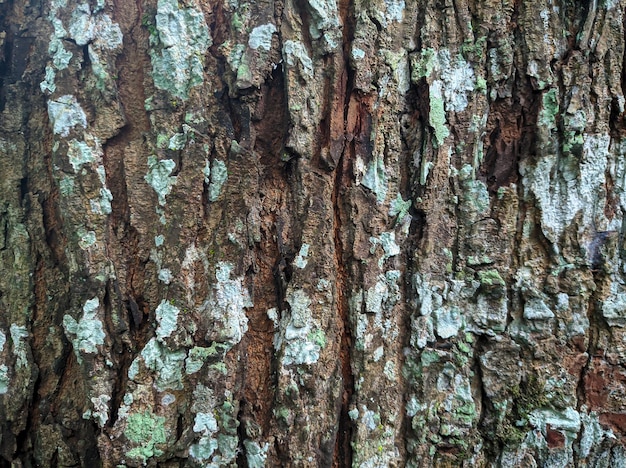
[296,56]
[86,334]
[179,44]
[79,153]
[94,29]
[159,177]
[167,317]
[85,28]
[299,334]
[166,365]
[301,259]
[226,306]
[387,240]
[18,335]
[219,175]
[376,179]
[261,37]
[560,198]
[65,114]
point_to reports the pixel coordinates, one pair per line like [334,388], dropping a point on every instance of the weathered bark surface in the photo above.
[308,233]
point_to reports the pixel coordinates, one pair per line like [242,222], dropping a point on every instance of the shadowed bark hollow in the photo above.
[312,233]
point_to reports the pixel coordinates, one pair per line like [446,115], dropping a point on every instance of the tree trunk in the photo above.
[308,233]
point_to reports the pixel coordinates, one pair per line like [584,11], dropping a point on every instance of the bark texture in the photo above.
[308,233]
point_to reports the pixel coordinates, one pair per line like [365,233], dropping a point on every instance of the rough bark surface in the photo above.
[312,233]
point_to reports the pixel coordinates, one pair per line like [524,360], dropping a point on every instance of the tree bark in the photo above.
[312,233]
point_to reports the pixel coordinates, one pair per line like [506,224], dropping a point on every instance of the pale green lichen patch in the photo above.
[400,208]
[549,110]
[536,309]
[239,62]
[206,171]
[395,10]
[451,80]
[79,153]
[198,356]
[437,113]
[85,28]
[103,205]
[302,339]
[227,305]
[475,194]
[204,449]
[325,22]
[301,259]
[65,113]
[87,333]
[356,53]
[81,27]
[567,420]
[459,81]
[167,317]
[165,275]
[206,424]
[448,321]
[295,53]
[261,37]
[147,430]
[159,177]
[177,142]
[560,199]
[592,433]
[4,379]
[219,175]
[614,306]
[18,334]
[375,179]
[100,411]
[166,364]
[490,278]
[256,455]
[47,85]
[178,65]
[60,57]
[387,240]
[86,238]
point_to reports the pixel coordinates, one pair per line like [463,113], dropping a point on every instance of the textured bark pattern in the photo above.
[308,233]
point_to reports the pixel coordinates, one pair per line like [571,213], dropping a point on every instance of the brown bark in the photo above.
[312,233]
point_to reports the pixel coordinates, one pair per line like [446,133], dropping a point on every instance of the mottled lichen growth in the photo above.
[159,177]
[146,430]
[299,335]
[375,179]
[167,317]
[179,43]
[219,175]
[86,334]
[65,114]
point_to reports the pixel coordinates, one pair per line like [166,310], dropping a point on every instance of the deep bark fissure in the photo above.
[339,108]
[343,451]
